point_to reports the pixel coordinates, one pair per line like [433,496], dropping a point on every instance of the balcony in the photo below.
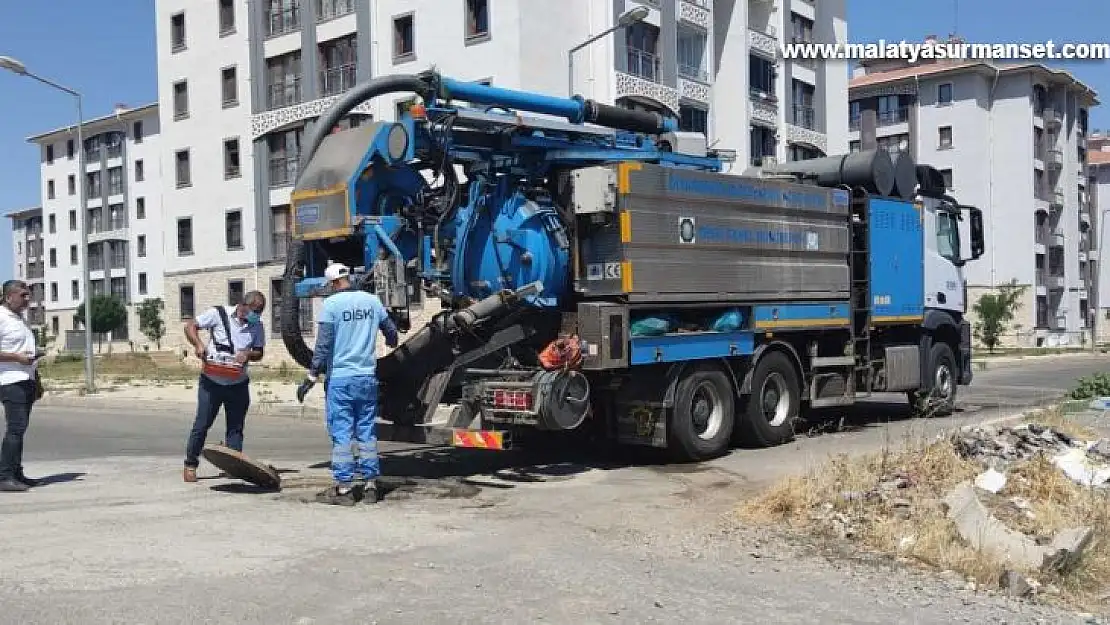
[640,79]
[763,107]
[284,21]
[899,115]
[331,9]
[336,80]
[1057,238]
[284,94]
[764,42]
[1051,117]
[1056,201]
[696,12]
[283,170]
[115,151]
[1055,158]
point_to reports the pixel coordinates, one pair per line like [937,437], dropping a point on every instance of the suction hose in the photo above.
[296,257]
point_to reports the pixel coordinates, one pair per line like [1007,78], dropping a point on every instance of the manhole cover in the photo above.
[239,466]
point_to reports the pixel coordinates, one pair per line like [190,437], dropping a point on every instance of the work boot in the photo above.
[337,496]
[190,474]
[13,486]
[371,493]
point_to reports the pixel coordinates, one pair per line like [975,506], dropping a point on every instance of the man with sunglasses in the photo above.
[236,338]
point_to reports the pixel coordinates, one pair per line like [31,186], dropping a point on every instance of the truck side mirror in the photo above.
[978,247]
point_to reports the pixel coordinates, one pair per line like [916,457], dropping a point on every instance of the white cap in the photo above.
[336,271]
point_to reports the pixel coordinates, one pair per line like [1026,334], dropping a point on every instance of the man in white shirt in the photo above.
[18,383]
[236,337]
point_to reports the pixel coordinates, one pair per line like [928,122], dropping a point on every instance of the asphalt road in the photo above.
[117,537]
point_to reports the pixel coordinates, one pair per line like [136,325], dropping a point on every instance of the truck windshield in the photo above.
[948,235]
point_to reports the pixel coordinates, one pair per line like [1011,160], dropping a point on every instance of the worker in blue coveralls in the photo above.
[346,350]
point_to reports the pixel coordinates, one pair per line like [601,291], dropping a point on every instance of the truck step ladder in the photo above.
[860,266]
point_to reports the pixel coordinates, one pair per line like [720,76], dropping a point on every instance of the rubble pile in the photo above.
[1087,463]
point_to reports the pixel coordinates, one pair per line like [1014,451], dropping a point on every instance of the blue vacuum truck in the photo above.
[597,272]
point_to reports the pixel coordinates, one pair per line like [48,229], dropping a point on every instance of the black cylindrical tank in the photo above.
[905,176]
[873,170]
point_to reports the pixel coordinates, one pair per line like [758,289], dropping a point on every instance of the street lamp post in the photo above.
[17,67]
[625,20]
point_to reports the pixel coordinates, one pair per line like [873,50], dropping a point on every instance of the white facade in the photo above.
[239,70]
[28,261]
[1098,146]
[1010,140]
[122,184]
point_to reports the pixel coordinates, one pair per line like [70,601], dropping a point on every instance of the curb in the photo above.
[982,364]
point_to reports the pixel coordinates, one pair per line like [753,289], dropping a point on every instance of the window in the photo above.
[72,221]
[233,230]
[53,291]
[404,37]
[761,75]
[180,99]
[142,284]
[53,257]
[188,303]
[229,86]
[947,174]
[71,184]
[183,173]
[141,244]
[944,94]
[140,175]
[231,158]
[235,292]
[54,325]
[177,32]
[50,154]
[73,254]
[948,236]
[227,17]
[115,181]
[70,148]
[53,224]
[140,208]
[137,131]
[184,236]
[477,21]
[50,189]
[74,291]
[693,119]
[855,146]
[945,133]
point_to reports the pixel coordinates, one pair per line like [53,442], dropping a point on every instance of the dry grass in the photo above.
[1063,422]
[891,503]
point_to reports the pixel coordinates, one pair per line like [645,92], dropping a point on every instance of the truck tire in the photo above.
[938,397]
[703,415]
[774,402]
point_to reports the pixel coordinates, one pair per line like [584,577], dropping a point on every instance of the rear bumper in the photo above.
[965,353]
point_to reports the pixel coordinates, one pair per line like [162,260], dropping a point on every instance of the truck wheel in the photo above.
[774,402]
[703,415]
[939,394]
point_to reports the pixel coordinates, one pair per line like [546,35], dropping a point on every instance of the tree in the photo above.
[995,311]
[108,315]
[150,320]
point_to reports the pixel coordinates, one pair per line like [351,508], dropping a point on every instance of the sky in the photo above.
[105,50]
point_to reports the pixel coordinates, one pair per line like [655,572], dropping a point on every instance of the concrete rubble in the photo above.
[1087,463]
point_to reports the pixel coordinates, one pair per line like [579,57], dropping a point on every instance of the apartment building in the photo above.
[121,181]
[1010,139]
[1098,185]
[241,83]
[28,261]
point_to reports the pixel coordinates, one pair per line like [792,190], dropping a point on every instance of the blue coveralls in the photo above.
[347,343]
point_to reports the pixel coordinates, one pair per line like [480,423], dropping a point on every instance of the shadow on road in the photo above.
[60,478]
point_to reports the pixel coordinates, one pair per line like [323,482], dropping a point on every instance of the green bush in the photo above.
[1090,387]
